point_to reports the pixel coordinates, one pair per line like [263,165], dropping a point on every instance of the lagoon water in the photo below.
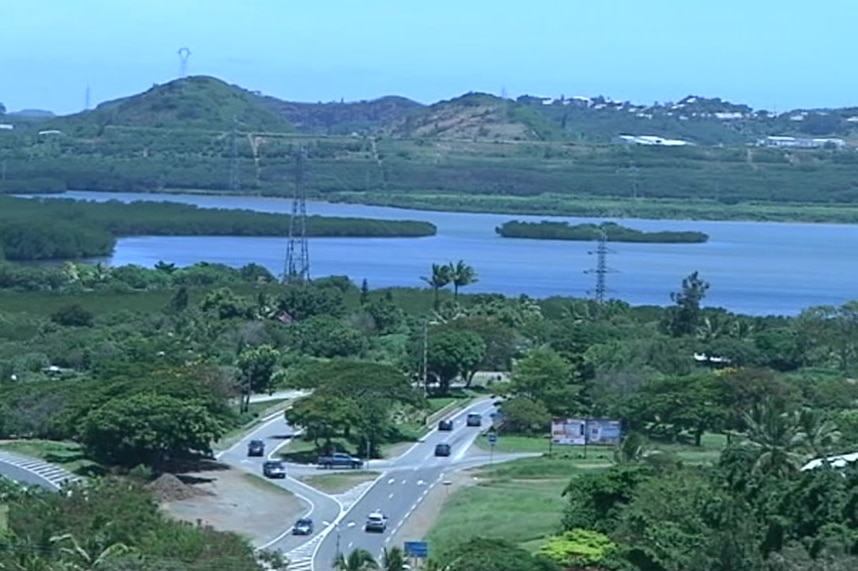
[755,268]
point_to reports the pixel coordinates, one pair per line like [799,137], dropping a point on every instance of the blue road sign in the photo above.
[493,438]
[417,549]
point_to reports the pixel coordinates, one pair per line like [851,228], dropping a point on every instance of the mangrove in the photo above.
[546,230]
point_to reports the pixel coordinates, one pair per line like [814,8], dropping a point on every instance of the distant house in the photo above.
[833,461]
[6,126]
[51,132]
[648,140]
[799,143]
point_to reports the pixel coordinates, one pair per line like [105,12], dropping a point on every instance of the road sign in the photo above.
[493,438]
[417,549]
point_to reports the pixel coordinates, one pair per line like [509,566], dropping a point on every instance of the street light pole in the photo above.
[337,528]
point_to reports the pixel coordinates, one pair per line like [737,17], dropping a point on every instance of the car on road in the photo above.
[475,419]
[339,460]
[256,448]
[376,522]
[442,449]
[303,526]
[274,469]
[445,425]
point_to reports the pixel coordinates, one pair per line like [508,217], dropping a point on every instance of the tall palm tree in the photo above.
[357,560]
[817,433]
[441,277]
[461,275]
[393,559]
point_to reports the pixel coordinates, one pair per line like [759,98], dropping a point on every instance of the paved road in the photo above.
[33,472]
[405,482]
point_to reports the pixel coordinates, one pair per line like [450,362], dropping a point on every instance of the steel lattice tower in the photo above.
[601,270]
[297,267]
[234,168]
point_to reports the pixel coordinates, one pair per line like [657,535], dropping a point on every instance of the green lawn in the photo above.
[339,482]
[66,454]
[519,501]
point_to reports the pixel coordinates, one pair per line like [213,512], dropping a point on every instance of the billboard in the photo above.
[583,432]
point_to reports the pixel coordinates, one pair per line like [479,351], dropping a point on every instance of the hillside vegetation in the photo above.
[198,102]
[476,116]
[343,117]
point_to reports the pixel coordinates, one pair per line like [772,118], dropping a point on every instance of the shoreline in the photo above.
[561,206]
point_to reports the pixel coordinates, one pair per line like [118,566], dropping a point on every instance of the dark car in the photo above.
[475,419]
[256,448]
[303,526]
[274,469]
[442,449]
[445,425]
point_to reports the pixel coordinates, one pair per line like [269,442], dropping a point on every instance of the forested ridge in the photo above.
[66,229]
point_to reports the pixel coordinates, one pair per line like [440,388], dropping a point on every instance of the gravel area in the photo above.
[234,500]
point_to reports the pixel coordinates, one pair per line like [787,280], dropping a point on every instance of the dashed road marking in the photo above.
[390,481]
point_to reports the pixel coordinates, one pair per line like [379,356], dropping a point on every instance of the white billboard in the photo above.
[581,432]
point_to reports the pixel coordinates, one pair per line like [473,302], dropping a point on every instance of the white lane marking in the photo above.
[390,481]
[420,482]
[404,481]
[351,544]
[390,496]
[308,514]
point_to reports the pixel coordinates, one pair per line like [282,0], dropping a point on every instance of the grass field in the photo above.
[263,484]
[521,501]
[339,482]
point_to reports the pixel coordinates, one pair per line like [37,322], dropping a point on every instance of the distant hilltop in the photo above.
[208,103]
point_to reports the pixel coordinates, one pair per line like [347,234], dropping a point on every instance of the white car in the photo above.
[376,522]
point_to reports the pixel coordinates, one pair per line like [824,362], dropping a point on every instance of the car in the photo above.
[442,449]
[339,460]
[303,526]
[375,522]
[445,425]
[256,448]
[274,469]
[475,419]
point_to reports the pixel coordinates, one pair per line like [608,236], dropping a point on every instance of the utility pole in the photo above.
[601,269]
[426,357]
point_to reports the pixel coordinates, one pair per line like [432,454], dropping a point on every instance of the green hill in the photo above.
[476,116]
[199,102]
[343,117]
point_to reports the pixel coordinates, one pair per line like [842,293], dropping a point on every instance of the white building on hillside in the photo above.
[649,140]
[798,143]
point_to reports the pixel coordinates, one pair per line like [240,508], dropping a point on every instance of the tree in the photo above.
[684,317]
[148,429]
[393,559]
[454,353]
[441,277]
[546,377]
[461,275]
[306,300]
[775,436]
[328,337]
[179,302]
[482,554]
[523,415]
[357,560]
[73,315]
[257,369]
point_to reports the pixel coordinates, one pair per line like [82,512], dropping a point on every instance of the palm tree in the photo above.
[79,559]
[461,274]
[393,559]
[817,433]
[441,277]
[357,560]
[777,438]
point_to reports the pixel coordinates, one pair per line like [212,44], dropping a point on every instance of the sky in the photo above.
[771,54]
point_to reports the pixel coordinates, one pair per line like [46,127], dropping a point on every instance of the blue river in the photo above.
[753,267]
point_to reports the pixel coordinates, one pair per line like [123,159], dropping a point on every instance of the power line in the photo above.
[297,265]
[601,270]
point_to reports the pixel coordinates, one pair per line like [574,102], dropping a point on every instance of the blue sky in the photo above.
[773,54]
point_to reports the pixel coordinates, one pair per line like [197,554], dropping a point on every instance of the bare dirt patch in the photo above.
[228,500]
[424,517]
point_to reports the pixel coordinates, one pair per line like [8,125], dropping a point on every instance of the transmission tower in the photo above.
[234,169]
[184,54]
[601,270]
[297,267]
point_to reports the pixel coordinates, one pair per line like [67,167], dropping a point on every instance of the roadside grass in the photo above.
[518,501]
[261,483]
[66,454]
[708,451]
[339,482]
